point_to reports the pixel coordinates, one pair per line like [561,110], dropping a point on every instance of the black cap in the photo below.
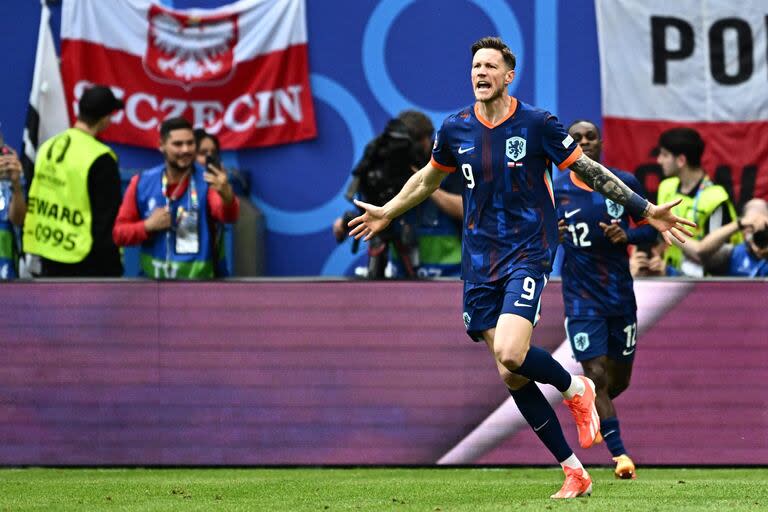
[98,101]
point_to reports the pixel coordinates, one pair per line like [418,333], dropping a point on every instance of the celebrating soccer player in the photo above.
[503,147]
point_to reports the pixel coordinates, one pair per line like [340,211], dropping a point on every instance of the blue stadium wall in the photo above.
[368,61]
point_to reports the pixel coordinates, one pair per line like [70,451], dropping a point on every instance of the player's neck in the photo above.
[689,178]
[496,109]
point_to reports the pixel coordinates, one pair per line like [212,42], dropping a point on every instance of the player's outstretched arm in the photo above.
[661,217]
[376,218]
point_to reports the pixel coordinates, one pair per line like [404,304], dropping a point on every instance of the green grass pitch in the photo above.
[377,489]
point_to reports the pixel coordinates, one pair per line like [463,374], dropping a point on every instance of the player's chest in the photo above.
[511,159]
[590,208]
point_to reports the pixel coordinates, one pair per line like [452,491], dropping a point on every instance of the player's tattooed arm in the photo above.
[601,180]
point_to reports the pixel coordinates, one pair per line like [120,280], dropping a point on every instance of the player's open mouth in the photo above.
[482,85]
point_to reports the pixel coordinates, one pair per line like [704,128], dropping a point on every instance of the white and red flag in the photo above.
[240,71]
[697,63]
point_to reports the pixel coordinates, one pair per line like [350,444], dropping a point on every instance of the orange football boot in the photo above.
[577,483]
[584,412]
[625,468]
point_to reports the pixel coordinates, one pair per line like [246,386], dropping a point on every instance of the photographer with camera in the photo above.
[425,242]
[13,206]
[746,259]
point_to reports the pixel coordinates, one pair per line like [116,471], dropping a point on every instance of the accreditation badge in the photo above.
[187,233]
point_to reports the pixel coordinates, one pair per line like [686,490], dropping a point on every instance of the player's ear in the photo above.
[509,77]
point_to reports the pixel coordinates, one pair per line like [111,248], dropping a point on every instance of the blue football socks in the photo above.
[540,366]
[541,417]
[609,428]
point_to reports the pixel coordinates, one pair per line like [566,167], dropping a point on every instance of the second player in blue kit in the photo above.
[600,307]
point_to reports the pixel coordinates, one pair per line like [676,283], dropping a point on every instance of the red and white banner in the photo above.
[240,71]
[697,63]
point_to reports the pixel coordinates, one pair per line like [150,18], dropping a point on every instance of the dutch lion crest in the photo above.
[515,148]
[581,341]
[614,209]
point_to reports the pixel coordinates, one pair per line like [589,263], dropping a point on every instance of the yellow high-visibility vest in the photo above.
[58,221]
[697,209]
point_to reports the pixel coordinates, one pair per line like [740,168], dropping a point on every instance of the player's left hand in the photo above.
[669,224]
[613,232]
[217,178]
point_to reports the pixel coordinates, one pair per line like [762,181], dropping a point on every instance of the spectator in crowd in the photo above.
[13,206]
[425,242]
[209,153]
[75,194]
[169,209]
[748,258]
[703,202]
[647,260]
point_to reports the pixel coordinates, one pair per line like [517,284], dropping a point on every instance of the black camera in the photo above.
[387,164]
[760,238]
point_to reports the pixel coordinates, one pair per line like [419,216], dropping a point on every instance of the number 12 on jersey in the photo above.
[579,233]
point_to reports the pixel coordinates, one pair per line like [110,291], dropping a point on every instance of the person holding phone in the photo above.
[209,156]
[170,209]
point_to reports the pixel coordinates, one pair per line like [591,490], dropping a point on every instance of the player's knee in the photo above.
[598,374]
[511,356]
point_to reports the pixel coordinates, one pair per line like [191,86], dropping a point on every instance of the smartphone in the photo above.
[212,160]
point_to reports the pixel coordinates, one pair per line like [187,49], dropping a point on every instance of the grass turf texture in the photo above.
[434,490]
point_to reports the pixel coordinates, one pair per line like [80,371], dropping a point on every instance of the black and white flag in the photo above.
[47,111]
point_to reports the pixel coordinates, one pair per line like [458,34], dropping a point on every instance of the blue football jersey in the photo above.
[743,263]
[595,273]
[509,213]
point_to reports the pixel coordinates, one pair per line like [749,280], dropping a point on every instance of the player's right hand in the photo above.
[371,222]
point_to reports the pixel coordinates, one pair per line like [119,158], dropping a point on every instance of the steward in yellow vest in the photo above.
[75,195]
[703,202]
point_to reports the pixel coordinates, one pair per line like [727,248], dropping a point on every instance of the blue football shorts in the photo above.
[518,293]
[613,336]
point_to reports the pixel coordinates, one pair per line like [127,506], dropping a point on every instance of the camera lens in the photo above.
[760,238]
